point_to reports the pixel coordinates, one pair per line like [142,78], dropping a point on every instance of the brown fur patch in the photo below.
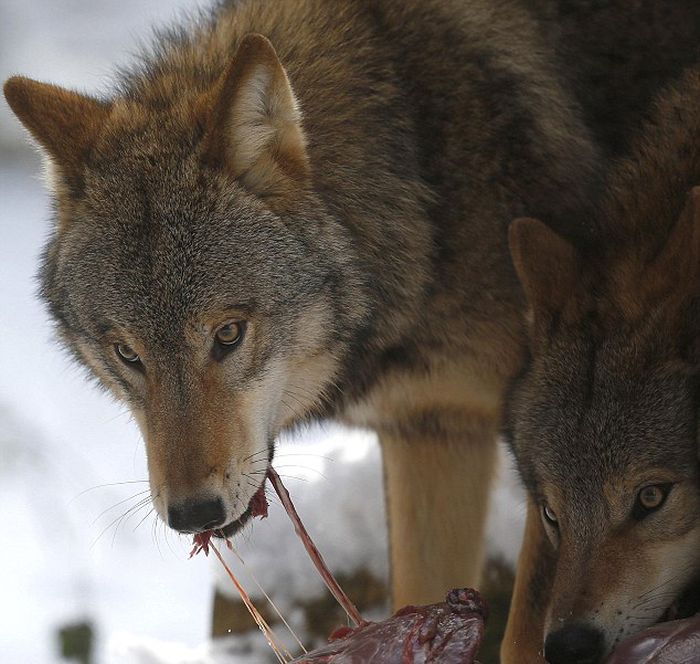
[187,449]
[640,282]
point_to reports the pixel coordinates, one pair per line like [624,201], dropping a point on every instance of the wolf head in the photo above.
[194,273]
[603,423]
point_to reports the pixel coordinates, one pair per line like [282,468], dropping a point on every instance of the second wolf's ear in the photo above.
[254,126]
[547,265]
[64,123]
[678,263]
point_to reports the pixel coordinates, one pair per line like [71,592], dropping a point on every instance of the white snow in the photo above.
[64,554]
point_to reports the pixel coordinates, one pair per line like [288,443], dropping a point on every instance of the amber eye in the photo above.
[549,515]
[127,353]
[230,333]
[650,499]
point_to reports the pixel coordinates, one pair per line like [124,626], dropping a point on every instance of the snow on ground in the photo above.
[341,502]
[130,649]
[64,554]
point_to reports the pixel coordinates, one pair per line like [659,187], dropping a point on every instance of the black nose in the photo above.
[574,644]
[194,516]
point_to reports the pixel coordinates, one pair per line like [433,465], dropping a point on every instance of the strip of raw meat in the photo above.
[313,552]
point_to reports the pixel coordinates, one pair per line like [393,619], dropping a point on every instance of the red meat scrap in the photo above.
[259,504]
[447,633]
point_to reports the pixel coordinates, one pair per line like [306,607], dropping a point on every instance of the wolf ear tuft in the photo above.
[547,265]
[254,128]
[63,122]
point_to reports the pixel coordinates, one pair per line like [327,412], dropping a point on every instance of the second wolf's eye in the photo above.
[650,499]
[127,354]
[549,514]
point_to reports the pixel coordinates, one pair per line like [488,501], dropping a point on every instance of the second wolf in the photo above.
[603,418]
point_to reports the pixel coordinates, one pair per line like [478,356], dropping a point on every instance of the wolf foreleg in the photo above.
[437,500]
[523,642]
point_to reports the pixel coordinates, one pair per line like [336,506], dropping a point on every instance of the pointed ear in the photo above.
[547,265]
[678,263]
[63,122]
[254,129]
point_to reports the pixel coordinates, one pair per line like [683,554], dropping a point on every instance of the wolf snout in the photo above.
[195,515]
[575,644]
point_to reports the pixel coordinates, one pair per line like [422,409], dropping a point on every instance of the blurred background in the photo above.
[87,573]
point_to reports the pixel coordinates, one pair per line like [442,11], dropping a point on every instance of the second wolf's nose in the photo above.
[193,516]
[574,644]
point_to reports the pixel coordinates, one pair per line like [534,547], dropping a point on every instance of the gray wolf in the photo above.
[603,417]
[298,209]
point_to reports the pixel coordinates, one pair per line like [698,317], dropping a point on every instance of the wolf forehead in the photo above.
[585,409]
[154,229]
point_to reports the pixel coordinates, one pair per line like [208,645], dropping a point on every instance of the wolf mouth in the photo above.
[233,527]
[256,507]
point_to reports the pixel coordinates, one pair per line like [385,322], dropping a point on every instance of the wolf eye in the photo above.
[549,515]
[649,499]
[229,333]
[127,354]
[551,525]
[227,337]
